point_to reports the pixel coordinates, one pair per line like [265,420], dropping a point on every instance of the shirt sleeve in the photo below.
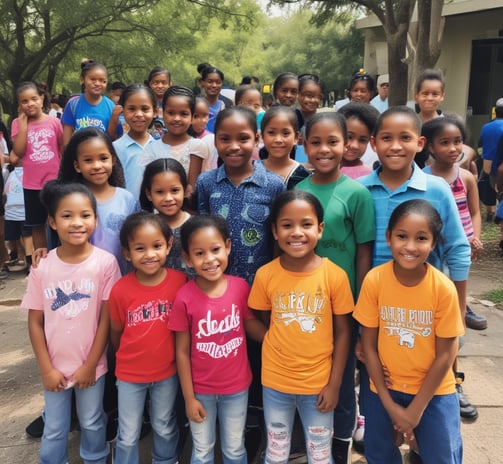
[258,298]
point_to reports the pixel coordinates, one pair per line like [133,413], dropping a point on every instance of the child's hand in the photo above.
[117,111]
[23,117]
[477,247]
[327,399]
[84,376]
[53,381]
[195,411]
[38,254]
[359,351]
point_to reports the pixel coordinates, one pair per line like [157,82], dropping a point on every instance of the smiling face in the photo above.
[212,84]
[397,142]
[360,92]
[235,142]
[279,136]
[167,193]
[74,220]
[201,116]
[208,254]
[447,145]
[411,241]
[138,112]
[177,115]
[147,251]
[430,95]
[95,82]
[287,92]
[30,103]
[94,161]
[252,99]
[310,97]
[159,84]
[297,230]
[324,147]
[358,140]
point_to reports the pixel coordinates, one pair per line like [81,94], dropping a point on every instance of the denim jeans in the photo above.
[231,413]
[57,416]
[162,418]
[438,430]
[279,413]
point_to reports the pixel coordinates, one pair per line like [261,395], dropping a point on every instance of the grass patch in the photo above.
[496,296]
[490,232]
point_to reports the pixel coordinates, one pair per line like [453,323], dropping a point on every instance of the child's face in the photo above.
[360,92]
[252,99]
[30,103]
[95,81]
[324,147]
[208,254]
[279,136]
[411,241]
[159,84]
[138,112]
[297,229]
[177,115]
[397,142]
[310,97]
[74,220]
[115,95]
[358,139]
[200,118]
[212,84]
[166,193]
[147,251]
[287,92]
[447,145]
[235,141]
[430,95]
[94,161]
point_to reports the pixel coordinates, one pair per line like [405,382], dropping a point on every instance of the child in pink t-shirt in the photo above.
[67,299]
[38,139]
[211,319]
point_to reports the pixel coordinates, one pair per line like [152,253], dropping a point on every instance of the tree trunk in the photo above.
[397,68]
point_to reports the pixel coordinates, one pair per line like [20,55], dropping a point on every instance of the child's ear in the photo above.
[228,246]
[186,258]
[76,166]
[257,138]
[51,222]
[421,142]
[373,143]
[296,138]
[274,233]
[147,194]
[170,244]
[388,237]
[321,226]
[126,254]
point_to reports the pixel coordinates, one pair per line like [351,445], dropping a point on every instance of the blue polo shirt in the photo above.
[491,140]
[246,208]
[454,250]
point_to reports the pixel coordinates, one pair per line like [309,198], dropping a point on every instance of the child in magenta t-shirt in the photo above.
[68,324]
[140,307]
[210,316]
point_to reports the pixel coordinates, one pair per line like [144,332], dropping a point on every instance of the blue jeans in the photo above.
[57,416]
[438,430]
[231,413]
[162,418]
[279,413]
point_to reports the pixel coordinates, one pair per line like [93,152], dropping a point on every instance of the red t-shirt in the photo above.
[218,357]
[147,347]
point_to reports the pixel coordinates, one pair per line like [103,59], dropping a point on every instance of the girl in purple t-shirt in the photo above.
[211,319]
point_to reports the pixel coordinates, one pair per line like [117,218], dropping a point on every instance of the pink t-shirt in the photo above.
[218,357]
[71,296]
[43,151]
[147,347]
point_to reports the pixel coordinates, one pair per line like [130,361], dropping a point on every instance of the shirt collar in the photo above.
[258,176]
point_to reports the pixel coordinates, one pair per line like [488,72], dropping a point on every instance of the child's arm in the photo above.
[472,195]
[255,329]
[193,408]
[67,133]
[21,140]
[114,122]
[116,329]
[52,379]
[363,261]
[195,167]
[85,375]
[446,351]
[329,395]
[263,316]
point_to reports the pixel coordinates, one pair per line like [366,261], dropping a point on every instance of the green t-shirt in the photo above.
[349,220]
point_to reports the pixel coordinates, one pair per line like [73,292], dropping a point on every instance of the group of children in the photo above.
[240,287]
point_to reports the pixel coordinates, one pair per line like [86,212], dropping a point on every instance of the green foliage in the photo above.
[496,296]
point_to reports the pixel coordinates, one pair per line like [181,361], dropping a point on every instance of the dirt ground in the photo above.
[20,393]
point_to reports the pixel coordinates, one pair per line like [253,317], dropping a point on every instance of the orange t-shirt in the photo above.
[409,321]
[298,347]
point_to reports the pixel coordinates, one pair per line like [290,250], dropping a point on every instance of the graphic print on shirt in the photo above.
[68,298]
[148,312]
[221,329]
[39,141]
[406,324]
[301,307]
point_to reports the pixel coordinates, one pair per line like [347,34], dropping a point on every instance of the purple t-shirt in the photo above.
[71,296]
[218,357]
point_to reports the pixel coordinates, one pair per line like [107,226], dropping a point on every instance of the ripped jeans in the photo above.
[279,413]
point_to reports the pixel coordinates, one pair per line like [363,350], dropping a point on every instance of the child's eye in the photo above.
[244,138]
[215,249]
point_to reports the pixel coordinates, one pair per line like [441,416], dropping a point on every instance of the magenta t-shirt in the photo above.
[71,296]
[218,357]
[43,151]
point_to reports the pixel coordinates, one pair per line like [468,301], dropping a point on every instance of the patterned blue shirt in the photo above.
[246,209]
[454,250]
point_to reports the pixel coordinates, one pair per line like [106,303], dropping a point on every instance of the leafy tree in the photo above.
[395,17]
